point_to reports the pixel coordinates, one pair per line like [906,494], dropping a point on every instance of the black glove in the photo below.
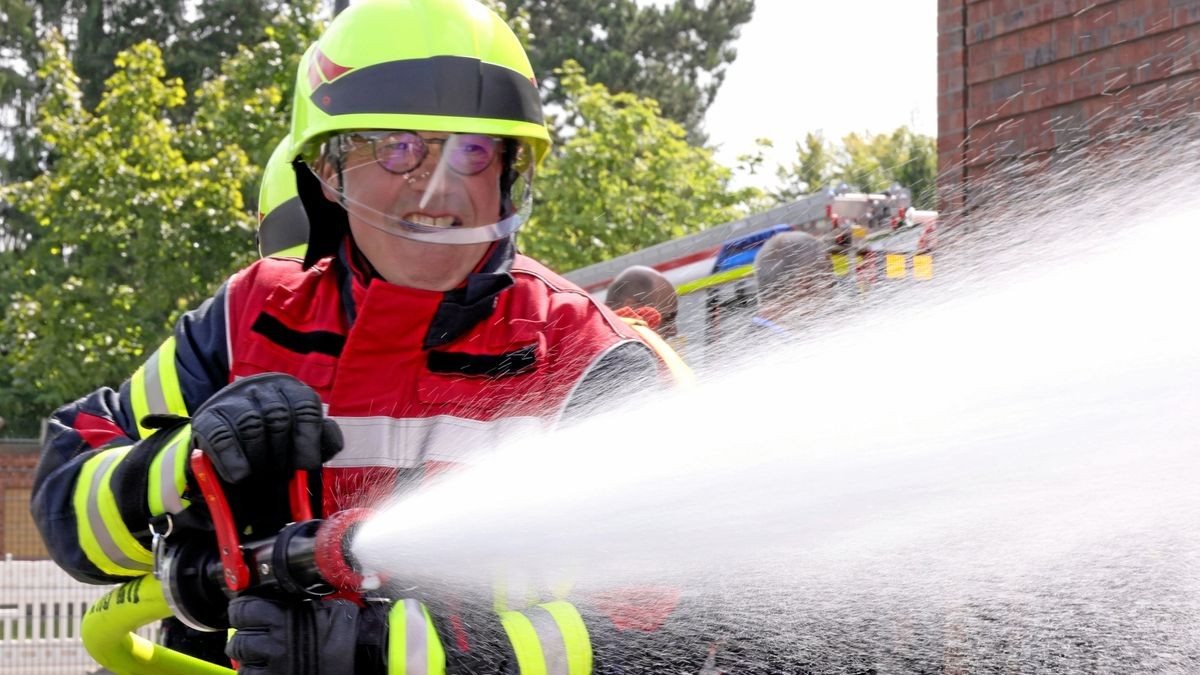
[265,426]
[289,637]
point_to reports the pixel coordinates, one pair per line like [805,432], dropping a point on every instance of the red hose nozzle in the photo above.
[334,560]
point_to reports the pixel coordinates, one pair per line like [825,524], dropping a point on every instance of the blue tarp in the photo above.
[741,251]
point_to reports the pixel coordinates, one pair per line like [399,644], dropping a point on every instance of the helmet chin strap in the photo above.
[341,186]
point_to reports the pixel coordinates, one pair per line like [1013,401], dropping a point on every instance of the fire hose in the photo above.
[308,557]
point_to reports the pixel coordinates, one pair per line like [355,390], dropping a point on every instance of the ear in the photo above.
[328,175]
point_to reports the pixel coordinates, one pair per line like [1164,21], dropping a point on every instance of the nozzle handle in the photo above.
[237,574]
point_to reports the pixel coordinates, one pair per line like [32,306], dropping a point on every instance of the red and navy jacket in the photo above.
[416,380]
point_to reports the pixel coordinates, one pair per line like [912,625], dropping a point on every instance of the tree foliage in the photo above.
[248,104]
[812,170]
[674,53]
[871,162]
[195,43]
[625,180]
[137,216]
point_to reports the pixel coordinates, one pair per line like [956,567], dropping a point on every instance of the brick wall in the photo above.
[1020,78]
[18,537]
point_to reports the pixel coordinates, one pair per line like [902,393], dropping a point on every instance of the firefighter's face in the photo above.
[432,179]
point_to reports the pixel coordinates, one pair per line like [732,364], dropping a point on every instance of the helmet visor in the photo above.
[461,188]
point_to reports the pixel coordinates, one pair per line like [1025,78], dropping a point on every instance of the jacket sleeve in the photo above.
[113,459]
[606,383]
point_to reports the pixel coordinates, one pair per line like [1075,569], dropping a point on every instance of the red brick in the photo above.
[1186,16]
[948,104]
[980,72]
[1008,44]
[951,19]
[1086,66]
[978,13]
[1010,64]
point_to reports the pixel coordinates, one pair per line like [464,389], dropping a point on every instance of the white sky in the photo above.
[831,65]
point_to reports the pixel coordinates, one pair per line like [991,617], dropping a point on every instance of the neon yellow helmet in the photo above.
[433,65]
[417,66]
[282,223]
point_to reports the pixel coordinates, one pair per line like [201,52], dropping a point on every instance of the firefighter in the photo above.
[793,273]
[282,223]
[640,286]
[410,336]
[646,300]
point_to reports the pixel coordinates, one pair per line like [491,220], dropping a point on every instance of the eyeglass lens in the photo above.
[466,154]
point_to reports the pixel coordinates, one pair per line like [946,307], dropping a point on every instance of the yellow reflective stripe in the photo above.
[168,479]
[525,643]
[575,637]
[169,379]
[102,534]
[297,251]
[679,370]
[549,639]
[137,396]
[437,654]
[413,644]
[715,279]
[896,266]
[155,387]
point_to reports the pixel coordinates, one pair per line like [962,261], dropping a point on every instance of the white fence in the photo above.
[41,609]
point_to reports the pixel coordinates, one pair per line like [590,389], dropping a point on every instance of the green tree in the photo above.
[874,162]
[919,168]
[130,233]
[106,27]
[195,46]
[676,53]
[20,149]
[248,104]
[812,170]
[625,180]
[871,162]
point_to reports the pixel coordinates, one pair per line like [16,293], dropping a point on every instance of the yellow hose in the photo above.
[108,633]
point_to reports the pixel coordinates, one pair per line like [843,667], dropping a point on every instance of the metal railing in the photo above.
[41,611]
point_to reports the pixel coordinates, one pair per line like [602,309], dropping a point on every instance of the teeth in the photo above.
[430,221]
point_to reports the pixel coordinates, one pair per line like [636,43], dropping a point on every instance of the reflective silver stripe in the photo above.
[171,499]
[416,635]
[554,648]
[156,400]
[409,442]
[96,521]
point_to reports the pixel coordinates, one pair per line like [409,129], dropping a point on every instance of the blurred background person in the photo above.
[794,276]
[646,300]
[640,287]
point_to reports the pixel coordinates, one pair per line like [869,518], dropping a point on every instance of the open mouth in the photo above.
[433,221]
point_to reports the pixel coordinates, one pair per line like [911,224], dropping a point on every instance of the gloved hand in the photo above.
[289,637]
[265,426]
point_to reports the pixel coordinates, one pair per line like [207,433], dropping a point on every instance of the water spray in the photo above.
[1002,461]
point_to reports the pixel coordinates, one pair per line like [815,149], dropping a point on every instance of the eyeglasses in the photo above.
[401,152]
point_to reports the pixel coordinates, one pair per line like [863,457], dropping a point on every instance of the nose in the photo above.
[419,175]
[433,178]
